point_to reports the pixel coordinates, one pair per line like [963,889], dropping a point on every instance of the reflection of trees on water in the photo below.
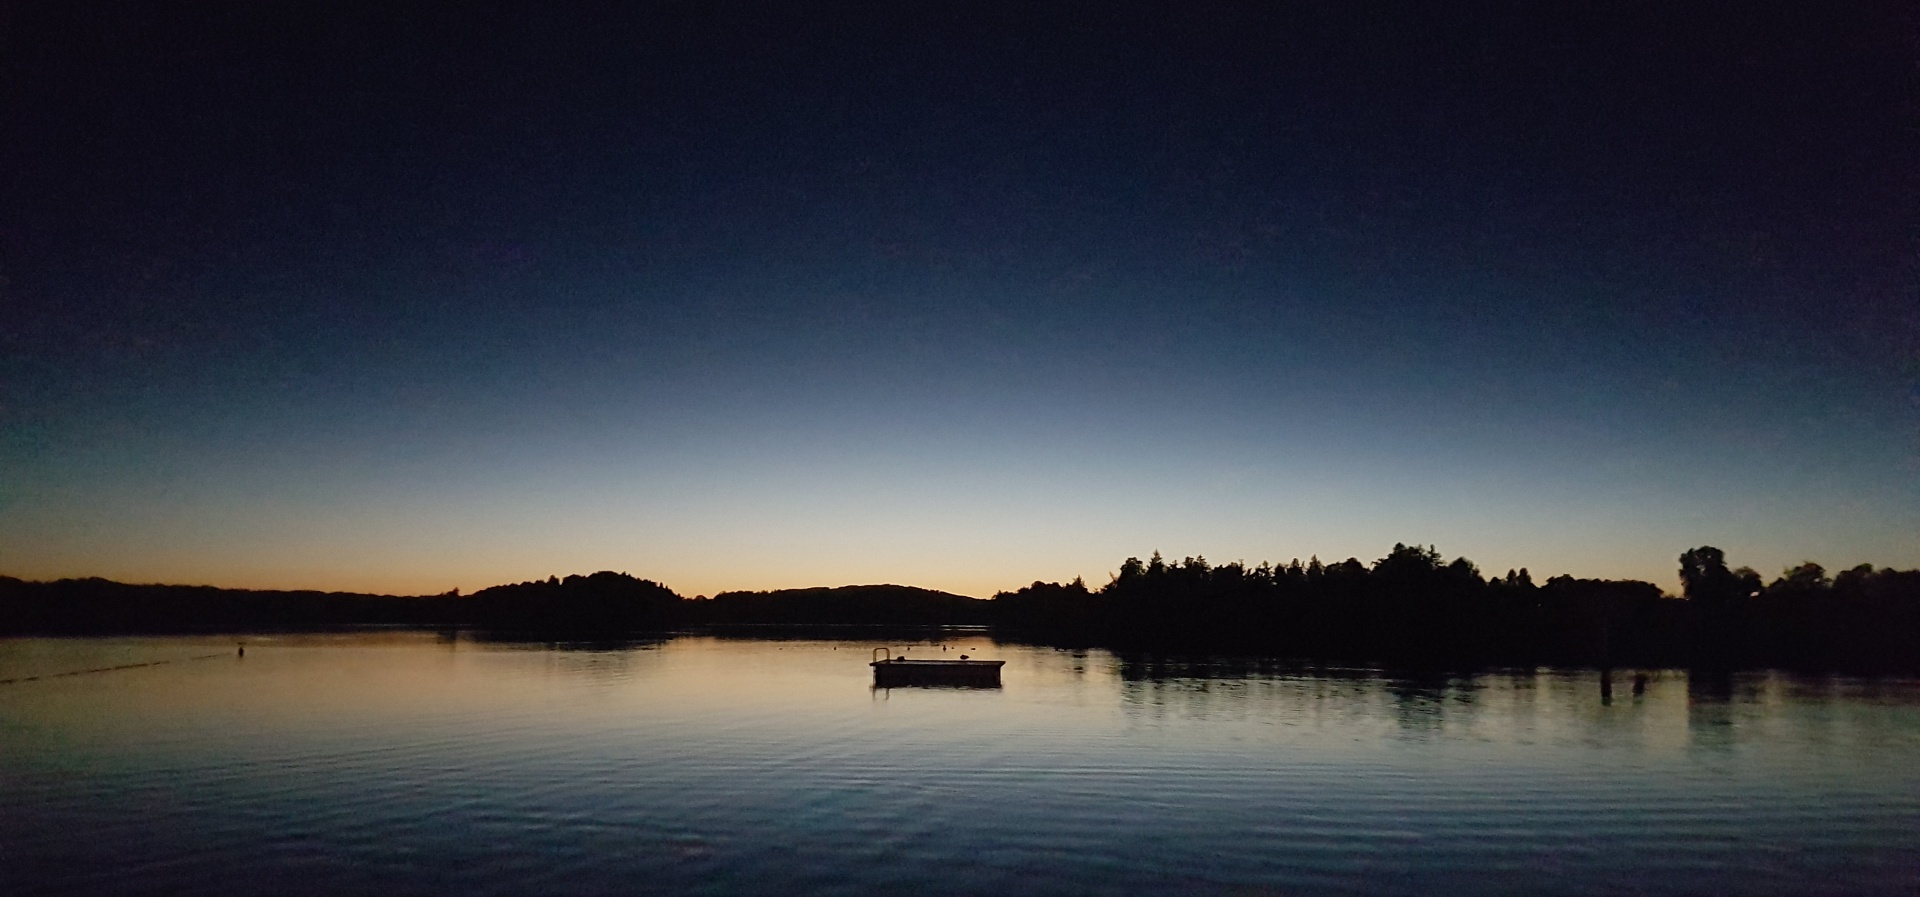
[538,642]
[1287,692]
[1725,709]
[1706,688]
[1648,708]
[1641,707]
[603,660]
[878,633]
[1421,703]
[1710,709]
[598,665]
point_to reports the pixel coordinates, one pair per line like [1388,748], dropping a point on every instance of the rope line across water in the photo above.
[124,666]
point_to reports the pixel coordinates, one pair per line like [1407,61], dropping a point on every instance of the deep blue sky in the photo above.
[748,297]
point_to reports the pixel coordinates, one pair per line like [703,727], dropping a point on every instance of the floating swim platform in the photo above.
[890,670]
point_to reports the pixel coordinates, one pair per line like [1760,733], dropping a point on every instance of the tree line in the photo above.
[1411,606]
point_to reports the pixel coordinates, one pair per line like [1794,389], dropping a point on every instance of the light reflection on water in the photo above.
[415,763]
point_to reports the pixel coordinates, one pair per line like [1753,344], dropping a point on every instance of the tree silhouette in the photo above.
[1705,577]
[1807,578]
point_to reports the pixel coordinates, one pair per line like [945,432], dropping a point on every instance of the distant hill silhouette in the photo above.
[604,602]
[601,602]
[877,604]
[102,606]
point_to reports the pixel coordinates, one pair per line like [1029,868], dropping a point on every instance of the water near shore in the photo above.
[405,763]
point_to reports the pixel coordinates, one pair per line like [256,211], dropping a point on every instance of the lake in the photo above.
[419,763]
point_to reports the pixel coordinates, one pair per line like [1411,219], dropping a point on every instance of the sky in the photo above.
[404,298]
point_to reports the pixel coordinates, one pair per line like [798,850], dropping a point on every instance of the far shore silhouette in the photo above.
[1410,607]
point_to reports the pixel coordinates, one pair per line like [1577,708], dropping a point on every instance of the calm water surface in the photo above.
[405,763]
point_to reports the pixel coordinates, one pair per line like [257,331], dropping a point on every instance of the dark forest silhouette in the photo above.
[1409,607]
[574,606]
[1413,607]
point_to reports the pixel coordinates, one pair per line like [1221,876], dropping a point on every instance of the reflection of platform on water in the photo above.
[890,671]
